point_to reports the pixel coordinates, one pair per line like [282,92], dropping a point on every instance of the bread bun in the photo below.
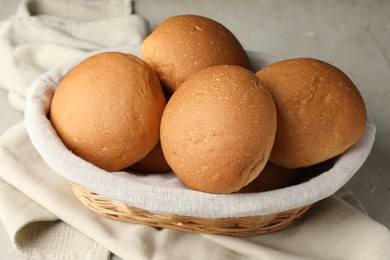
[154,162]
[218,129]
[273,177]
[320,111]
[182,45]
[107,110]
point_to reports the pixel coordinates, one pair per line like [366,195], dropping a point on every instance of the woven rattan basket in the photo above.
[235,226]
[161,200]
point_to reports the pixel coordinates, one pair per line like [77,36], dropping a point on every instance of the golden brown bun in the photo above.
[108,109]
[273,177]
[154,162]
[182,45]
[218,129]
[320,111]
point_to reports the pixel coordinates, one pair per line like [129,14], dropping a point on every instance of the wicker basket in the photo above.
[237,226]
[169,207]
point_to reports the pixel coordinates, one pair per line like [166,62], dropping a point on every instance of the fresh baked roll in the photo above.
[107,110]
[273,177]
[154,162]
[218,129]
[182,45]
[320,111]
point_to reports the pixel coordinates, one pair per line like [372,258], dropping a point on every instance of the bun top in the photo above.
[182,45]
[108,109]
[218,129]
[320,111]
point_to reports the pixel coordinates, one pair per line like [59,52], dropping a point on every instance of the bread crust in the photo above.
[273,177]
[153,162]
[182,45]
[107,110]
[218,129]
[320,111]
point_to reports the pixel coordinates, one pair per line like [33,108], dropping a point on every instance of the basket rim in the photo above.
[232,226]
[172,197]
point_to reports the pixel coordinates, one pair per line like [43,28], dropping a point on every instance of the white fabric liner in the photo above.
[165,193]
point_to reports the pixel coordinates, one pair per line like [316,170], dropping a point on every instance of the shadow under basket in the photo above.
[234,226]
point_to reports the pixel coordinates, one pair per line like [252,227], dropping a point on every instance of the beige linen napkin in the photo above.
[45,33]
[38,234]
[332,229]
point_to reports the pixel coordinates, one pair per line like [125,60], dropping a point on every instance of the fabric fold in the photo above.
[44,34]
[35,232]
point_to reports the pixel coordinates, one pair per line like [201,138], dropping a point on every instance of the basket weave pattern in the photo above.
[236,226]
